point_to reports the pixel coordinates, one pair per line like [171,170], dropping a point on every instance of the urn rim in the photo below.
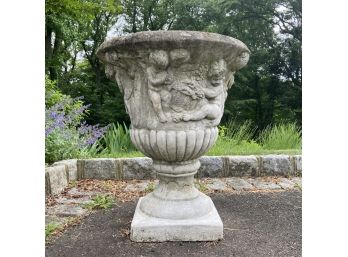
[171,39]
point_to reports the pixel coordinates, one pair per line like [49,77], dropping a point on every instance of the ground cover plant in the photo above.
[100,202]
[150,187]
[50,228]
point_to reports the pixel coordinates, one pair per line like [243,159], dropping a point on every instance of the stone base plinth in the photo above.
[151,229]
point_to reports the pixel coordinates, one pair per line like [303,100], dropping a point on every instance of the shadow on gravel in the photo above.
[255,224]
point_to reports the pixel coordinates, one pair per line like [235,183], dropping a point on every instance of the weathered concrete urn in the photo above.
[174,85]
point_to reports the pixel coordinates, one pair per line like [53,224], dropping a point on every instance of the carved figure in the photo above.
[179,57]
[125,79]
[213,92]
[157,77]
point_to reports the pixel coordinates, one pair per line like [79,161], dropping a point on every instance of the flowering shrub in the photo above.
[66,133]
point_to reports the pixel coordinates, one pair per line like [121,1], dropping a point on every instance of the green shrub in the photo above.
[61,145]
[282,136]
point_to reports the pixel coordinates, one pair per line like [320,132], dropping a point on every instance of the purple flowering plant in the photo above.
[67,134]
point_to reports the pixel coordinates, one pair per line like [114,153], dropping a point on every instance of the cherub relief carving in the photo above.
[178,57]
[167,82]
[125,80]
[123,72]
[211,109]
[158,77]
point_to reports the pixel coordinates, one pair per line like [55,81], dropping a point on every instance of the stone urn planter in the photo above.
[174,85]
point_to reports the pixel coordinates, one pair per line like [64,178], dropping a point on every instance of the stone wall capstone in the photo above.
[60,173]
[57,179]
[72,167]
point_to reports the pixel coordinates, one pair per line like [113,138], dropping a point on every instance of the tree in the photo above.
[79,27]
[143,15]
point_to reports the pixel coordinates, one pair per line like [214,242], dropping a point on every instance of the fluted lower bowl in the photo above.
[172,145]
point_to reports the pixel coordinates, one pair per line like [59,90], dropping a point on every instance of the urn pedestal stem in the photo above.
[174,85]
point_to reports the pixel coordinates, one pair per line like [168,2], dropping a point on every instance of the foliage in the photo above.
[233,140]
[66,133]
[238,133]
[50,228]
[221,148]
[298,186]
[74,30]
[115,142]
[131,154]
[142,15]
[117,139]
[238,140]
[55,228]
[201,186]
[150,187]
[282,136]
[100,202]
[227,146]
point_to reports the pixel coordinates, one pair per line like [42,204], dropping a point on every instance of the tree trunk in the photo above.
[98,83]
[272,92]
[48,47]
[134,26]
[259,111]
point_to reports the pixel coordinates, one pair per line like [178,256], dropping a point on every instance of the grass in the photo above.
[201,186]
[54,228]
[282,136]
[50,228]
[119,155]
[225,147]
[238,133]
[72,183]
[150,187]
[298,186]
[106,185]
[117,139]
[233,139]
[100,202]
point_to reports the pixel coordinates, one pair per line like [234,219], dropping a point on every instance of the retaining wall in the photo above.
[60,173]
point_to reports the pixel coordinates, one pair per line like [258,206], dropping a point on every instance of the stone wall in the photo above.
[60,173]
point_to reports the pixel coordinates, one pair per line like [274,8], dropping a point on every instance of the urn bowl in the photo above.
[174,85]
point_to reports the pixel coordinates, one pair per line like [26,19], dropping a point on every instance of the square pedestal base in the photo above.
[150,229]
